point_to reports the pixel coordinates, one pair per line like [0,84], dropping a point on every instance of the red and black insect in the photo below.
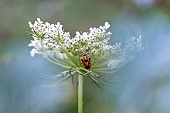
[86,60]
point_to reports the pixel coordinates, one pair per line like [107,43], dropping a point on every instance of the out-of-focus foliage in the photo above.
[28,84]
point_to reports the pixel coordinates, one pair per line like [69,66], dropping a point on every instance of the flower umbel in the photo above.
[59,47]
[85,54]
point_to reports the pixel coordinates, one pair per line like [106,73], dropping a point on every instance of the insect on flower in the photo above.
[86,60]
[51,41]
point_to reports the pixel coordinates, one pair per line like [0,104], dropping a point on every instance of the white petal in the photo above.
[33,52]
[106,25]
[30,24]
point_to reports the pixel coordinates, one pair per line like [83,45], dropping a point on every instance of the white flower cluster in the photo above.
[51,38]
[54,43]
[46,37]
[132,48]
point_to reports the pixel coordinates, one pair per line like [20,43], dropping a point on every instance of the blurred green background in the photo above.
[28,85]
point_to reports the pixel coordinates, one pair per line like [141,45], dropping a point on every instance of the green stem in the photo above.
[80,93]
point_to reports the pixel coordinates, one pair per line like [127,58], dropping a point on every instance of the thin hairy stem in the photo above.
[80,93]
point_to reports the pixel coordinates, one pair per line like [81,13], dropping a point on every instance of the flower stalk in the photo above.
[80,93]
